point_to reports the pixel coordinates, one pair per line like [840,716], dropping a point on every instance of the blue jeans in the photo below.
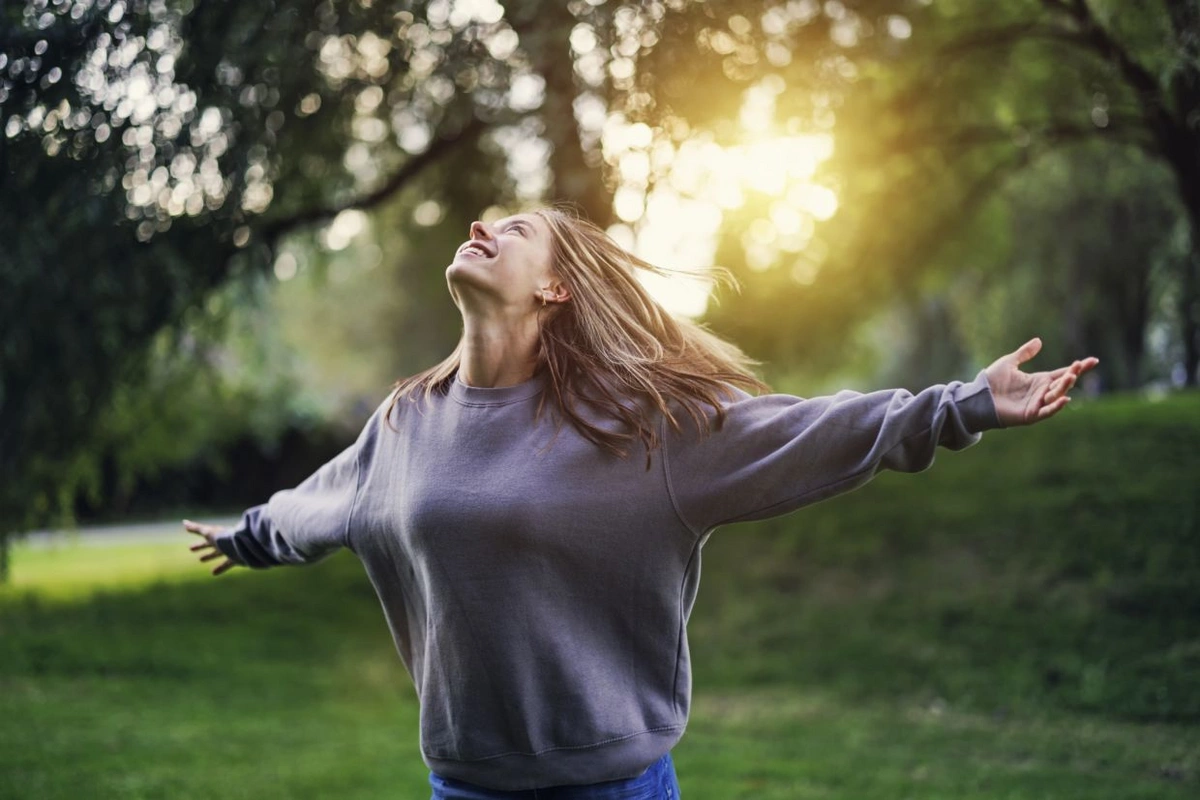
[658,782]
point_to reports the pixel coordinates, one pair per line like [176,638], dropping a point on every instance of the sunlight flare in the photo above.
[672,198]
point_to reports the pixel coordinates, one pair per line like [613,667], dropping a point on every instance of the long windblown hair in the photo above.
[612,343]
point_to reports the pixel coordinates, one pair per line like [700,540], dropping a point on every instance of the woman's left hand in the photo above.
[1023,398]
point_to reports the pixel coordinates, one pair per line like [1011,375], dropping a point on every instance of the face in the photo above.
[505,263]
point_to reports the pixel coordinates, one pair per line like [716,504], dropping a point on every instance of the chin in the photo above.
[463,274]
[457,270]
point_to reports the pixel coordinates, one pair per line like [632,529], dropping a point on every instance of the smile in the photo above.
[476,249]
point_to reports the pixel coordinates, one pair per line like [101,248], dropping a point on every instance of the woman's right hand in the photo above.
[208,532]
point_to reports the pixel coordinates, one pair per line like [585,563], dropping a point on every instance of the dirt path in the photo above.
[105,535]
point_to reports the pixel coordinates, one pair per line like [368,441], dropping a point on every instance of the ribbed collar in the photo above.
[497,396]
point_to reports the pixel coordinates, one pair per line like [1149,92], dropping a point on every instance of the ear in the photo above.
[557,292]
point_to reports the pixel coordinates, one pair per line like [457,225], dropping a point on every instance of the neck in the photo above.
[498,351]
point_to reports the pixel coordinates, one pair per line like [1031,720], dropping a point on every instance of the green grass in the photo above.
[73,570]
[1021,621]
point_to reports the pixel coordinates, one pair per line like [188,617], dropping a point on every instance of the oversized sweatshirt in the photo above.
[538,588]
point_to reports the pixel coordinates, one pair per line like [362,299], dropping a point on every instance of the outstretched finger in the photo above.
[1047,411]
[1055,374]
[1059,387]
[1075,368]
[212,555]
[227,565]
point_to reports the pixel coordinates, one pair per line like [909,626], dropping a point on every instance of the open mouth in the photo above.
[476,249]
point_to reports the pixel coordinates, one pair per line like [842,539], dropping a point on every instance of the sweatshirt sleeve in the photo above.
[307,523]
[776,453]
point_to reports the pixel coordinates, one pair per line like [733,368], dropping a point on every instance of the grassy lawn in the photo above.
[1021,621]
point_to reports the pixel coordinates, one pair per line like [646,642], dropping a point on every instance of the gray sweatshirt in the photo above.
[538,593]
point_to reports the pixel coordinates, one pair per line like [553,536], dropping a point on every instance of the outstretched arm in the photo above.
[296,526]
[776,453]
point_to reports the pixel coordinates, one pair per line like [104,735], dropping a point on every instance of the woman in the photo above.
[531,510]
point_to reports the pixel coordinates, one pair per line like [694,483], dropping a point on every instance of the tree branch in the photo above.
[965,137]
[927,244]
[983,39]
[1001,37]
[271,231]
[1145,86]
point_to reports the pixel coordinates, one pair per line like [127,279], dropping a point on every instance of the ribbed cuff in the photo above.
[224,542]
[977,405]
[238,543]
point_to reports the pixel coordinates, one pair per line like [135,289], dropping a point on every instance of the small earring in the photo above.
[543,296]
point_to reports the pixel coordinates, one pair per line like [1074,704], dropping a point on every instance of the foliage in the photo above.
[225,376]
[1091,256]
[170,146]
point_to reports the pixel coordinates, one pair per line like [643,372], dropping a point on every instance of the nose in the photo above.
[480,231]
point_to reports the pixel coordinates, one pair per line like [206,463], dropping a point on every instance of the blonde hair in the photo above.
[613,342]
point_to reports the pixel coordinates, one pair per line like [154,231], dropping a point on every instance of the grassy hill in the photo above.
[1022,620]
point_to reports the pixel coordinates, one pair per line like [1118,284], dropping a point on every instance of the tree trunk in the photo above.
[1189,284]
[1183,156]
[1128,289]
[573,179]
[1189,313]
[1179,138]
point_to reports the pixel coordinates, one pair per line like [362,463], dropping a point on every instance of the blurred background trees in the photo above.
[225,225]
